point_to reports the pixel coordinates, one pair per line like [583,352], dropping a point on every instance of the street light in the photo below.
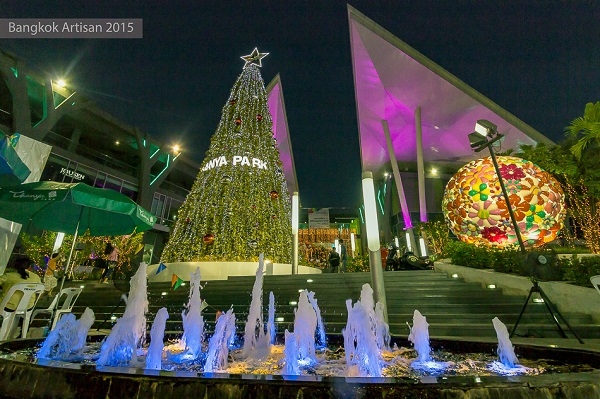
[486,134]
[373,244]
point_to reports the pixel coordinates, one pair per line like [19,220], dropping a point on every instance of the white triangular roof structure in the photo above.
[281,130]
[392,79]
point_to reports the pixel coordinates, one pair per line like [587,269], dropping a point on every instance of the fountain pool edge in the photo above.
[20,379]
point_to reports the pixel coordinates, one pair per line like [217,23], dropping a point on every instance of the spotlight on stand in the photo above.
[486,134]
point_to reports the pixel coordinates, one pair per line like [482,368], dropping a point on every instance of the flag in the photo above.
[161,267]
[176,282]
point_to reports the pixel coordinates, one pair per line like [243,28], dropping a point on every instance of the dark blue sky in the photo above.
[540,60]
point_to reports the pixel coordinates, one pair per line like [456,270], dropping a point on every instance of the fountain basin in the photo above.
[23,377]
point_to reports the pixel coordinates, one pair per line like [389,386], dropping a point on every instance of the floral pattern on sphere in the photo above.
[476,211]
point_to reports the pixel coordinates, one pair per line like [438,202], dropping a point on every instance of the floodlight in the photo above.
[478,142]
[486,128]
[485,134]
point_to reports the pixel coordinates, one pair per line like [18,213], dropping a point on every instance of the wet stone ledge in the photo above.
[25,380]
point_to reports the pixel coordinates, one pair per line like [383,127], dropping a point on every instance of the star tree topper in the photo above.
[254,58]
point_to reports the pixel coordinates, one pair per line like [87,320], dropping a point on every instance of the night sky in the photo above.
[540,60]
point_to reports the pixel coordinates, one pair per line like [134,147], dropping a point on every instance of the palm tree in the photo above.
[588,127]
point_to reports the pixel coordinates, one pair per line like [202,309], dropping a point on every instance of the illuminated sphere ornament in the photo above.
[274,195]
[259,117]
[238,121]
[226,179]
[252,244]
[475,209]
[208,239]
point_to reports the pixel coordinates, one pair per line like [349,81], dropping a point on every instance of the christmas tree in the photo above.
[239,205]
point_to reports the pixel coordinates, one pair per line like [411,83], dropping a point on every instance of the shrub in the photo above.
[358,264]
[509,260]
[463,254]
[579,270]
[436,235]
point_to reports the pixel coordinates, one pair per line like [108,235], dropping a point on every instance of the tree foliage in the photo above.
[575,163]
[239,205]
[38,247]
[586,129]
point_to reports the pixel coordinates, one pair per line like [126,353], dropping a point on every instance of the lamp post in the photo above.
[486,134]
[295,217]
[373,241]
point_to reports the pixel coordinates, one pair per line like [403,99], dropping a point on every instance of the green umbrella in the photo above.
[72,208]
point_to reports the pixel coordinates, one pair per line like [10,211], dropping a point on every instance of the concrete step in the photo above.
[452,306]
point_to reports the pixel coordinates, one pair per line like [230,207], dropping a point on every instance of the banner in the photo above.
[34,155]
[318,219]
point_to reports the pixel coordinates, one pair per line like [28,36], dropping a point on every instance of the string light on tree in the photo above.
[240,196]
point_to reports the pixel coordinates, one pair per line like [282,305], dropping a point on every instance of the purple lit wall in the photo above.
[280,128]
[392,79]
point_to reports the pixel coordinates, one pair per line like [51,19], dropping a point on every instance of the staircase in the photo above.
[453,308]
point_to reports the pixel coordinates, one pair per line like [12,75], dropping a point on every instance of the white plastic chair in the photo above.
[596,282]
[56,308]
[9,318]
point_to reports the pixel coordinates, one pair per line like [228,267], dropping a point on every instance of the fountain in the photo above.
[193,322]
[157,335]
[305,325]
[68,338]
[218,346]
[419,336]
[368,366]
[508,364]
[322,338]
[254,321]
[271,328]
[128,334]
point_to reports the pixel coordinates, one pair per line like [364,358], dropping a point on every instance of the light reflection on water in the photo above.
[399,362]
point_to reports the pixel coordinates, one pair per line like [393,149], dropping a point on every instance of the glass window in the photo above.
[157,206]
[100,180]
[54,166]
[130,190]
[173,209]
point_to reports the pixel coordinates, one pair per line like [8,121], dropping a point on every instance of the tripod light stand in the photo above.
[485,134]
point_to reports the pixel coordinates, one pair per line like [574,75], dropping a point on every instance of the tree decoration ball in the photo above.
[476,211]
[208,239]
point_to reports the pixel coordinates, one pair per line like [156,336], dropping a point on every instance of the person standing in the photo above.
[333,259]
[112,257]
[343,256]
[49,276]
